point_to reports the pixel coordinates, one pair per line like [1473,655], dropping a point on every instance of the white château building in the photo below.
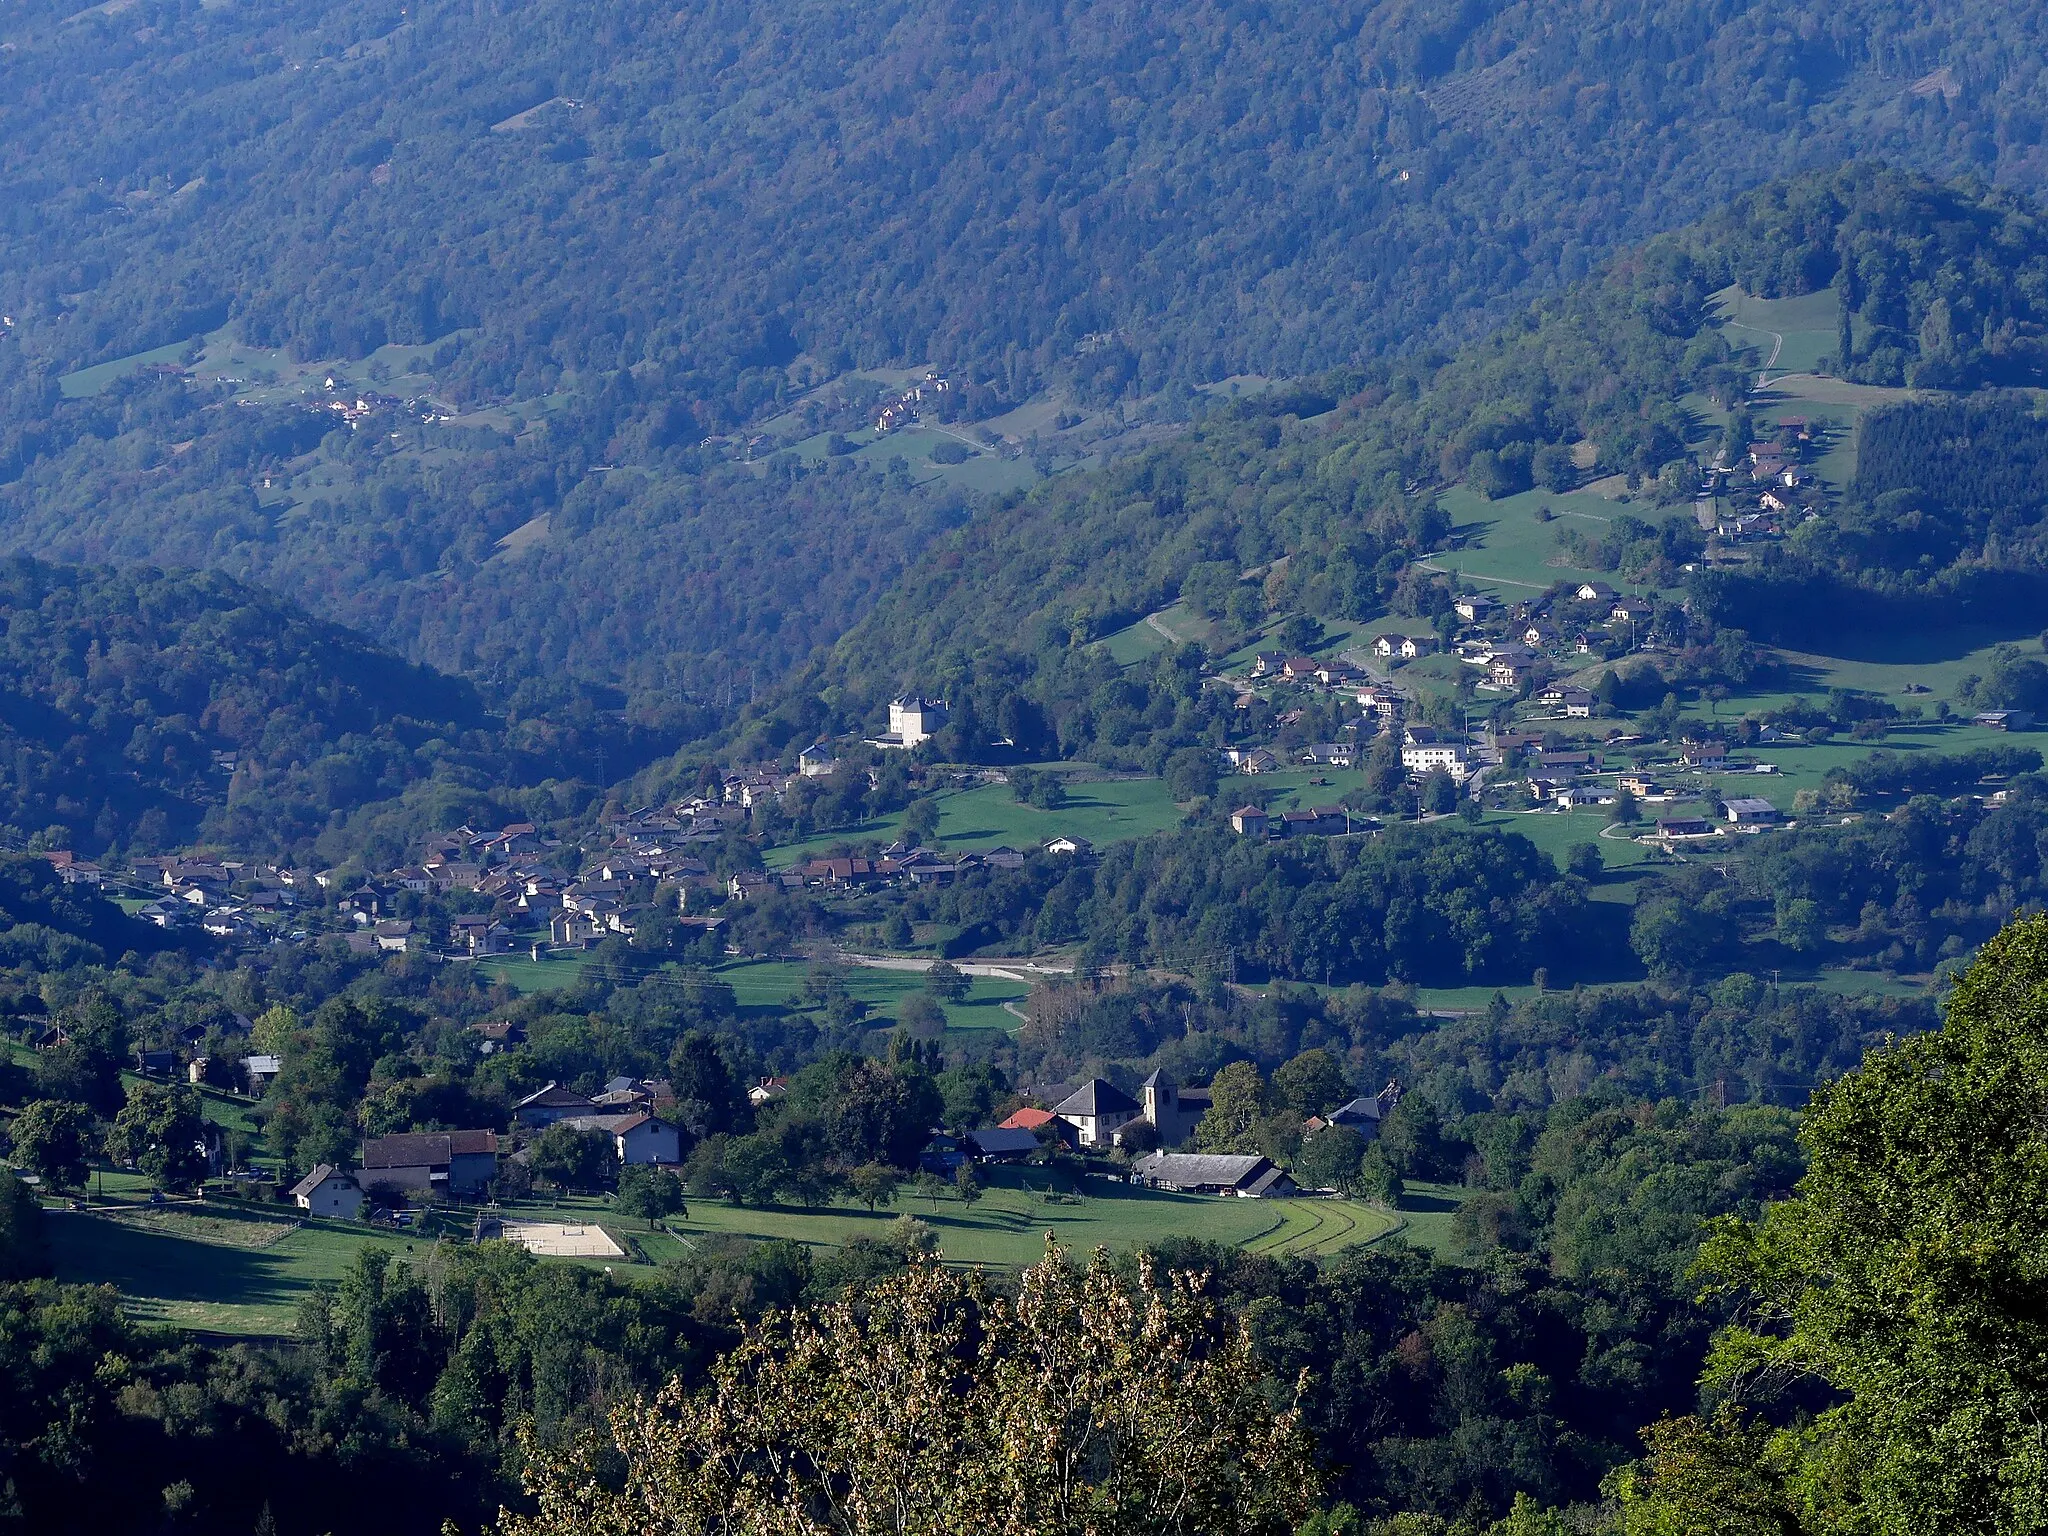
[912,719]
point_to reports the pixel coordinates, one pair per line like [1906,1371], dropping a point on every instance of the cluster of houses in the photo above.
[355,406]
[514,867]
[464,1165]
[1098,1115]
[188,1058]
[1305,821]
[899,863]
[1517,642]
[1771,487]
[904,410]
[1565,778]
[230,898]
[1277,666]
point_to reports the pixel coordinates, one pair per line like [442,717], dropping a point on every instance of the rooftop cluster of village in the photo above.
[479,892]
[1153,1140]
[1770,490]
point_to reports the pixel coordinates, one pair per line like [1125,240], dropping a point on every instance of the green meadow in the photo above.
[1019,1208]
[1807,325]
[991,816]
[229,1269]
[90,381]
[524,974]
[768,984]
[221,1267]
[1508,547]
[775,984]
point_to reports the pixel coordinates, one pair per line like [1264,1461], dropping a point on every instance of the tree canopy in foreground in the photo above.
[1097,1399]
[1907,1282]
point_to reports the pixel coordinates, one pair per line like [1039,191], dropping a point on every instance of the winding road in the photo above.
[1763,376]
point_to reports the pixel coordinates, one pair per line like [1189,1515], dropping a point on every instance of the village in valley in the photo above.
[1546,677]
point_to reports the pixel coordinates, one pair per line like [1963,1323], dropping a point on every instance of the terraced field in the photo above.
[1322,1226]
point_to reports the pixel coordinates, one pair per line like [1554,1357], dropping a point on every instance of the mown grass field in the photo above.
[986,470]
[1884,665]
[1103,811]
[1144,640]
[524,974]
[991,816]
[772,984]
[769,983]
[1507,548]
[243,1271]
[1806,322]
[1007,1227]
[90,381]
[224,1268]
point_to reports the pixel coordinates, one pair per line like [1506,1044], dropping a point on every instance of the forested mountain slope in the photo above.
[689,586]
[1202,188]
[646,227]
[1942,285]
[142,710]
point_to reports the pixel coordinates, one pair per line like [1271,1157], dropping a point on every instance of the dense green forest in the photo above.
[1077,194]
[143,711]
[1083,202]
[685,586]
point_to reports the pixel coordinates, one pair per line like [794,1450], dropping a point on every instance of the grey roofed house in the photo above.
[637,1137]
[312,1181]
[1097,1096]
[1747,810]
[1245,1174]
[1273,1184]
[1095,1110]
[445,1162]
[545,1106]
[259,1070]
[1362,1113]
[328,1191]
[1001,1143]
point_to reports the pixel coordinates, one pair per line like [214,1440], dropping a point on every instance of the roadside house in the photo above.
[1746,811]
[1684,826]
[637,1138]
[1249,821]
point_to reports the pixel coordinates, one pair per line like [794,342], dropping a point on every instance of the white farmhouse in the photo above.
[327,1191]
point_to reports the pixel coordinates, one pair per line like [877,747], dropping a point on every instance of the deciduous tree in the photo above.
[160,1131]
[1095,1400]
[1907,1279]
[52,1139]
